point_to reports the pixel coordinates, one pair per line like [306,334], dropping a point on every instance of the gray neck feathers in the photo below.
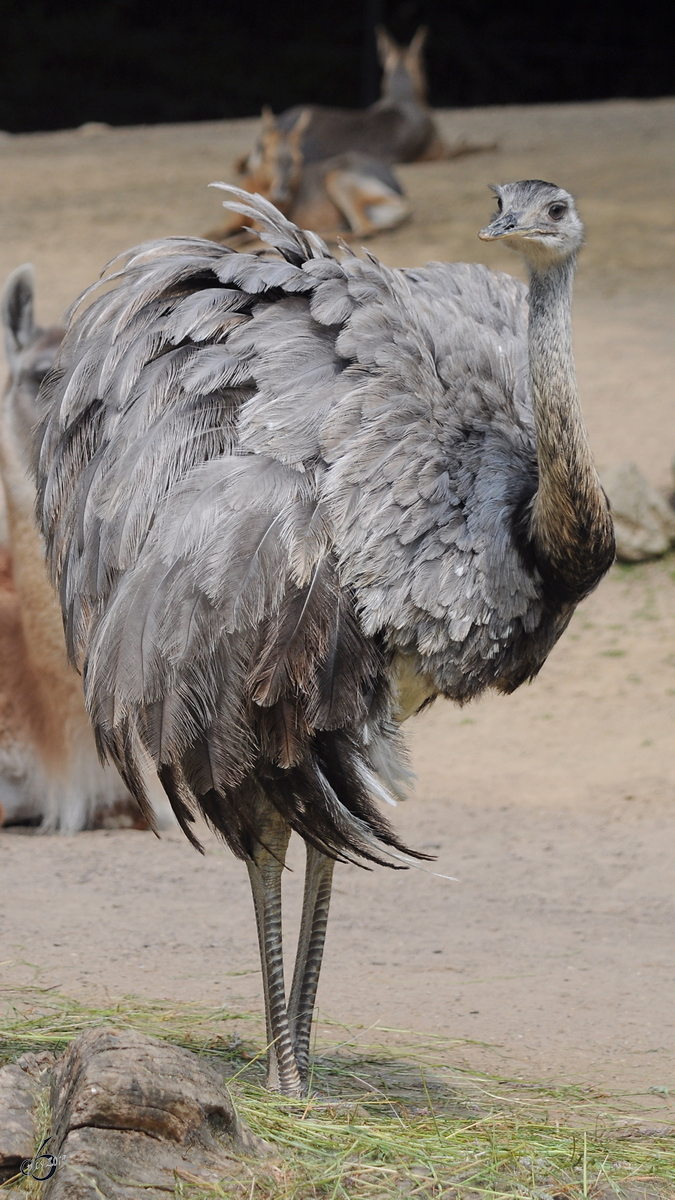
[570,525]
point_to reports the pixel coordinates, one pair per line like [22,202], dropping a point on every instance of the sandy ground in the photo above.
[553,955]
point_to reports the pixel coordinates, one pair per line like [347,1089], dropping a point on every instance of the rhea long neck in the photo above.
[570,526]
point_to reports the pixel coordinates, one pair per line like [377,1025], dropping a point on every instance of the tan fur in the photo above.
[326,193]
[340,195]
[315,210]
[47,755]
[52,698]
[365,204]
[340,189]
[399,127]
[410,60]
[273,170]
[407,58]
[49,768]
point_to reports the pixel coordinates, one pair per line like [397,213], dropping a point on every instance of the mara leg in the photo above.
[265,868]
[368,204]
[318,884]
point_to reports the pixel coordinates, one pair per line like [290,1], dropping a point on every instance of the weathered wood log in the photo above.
[131,1115]
[17,1128]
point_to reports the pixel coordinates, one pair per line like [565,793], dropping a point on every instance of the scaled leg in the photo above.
[265,870]
[316,901]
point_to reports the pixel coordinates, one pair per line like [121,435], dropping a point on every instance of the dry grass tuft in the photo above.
[386,1120]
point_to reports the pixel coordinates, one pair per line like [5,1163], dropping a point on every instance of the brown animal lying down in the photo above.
[398,128]
[348,193]
[49,767]
[329,169]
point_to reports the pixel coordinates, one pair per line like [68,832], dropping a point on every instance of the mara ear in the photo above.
[18,319]
[418,41]
[295,136]
[387,48]
[269,121]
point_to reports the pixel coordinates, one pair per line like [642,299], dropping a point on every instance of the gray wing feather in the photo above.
[295,244]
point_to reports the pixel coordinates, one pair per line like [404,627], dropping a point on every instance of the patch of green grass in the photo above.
[645,572]
[399,1118]
[34,1018]
[646,568]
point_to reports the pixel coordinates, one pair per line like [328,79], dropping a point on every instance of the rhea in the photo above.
[288,500]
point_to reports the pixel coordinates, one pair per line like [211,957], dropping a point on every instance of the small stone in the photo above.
[644,522]
[130,1114]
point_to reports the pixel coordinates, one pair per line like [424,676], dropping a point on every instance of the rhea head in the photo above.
[538,220]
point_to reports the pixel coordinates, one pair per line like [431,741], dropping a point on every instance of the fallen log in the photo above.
[132,1115]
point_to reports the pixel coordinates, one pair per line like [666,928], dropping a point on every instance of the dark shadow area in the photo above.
[131,61]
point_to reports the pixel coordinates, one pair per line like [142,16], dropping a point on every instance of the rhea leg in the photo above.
[318,884]
[265,868]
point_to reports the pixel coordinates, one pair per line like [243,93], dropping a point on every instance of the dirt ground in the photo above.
[553,955]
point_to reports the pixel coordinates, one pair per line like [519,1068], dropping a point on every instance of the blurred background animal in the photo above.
[398,128]
[49,768]
[348,193]
[329,169]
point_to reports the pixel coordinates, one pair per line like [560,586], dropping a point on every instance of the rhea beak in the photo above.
[502,225]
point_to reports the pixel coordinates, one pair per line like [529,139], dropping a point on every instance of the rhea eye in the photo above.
[499,204]
[557,211]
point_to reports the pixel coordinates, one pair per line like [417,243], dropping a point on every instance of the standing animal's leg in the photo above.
[368,203]
[318,884]
[264,869]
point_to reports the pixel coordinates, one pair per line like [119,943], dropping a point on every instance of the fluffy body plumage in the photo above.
[287,500]
[266,478]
